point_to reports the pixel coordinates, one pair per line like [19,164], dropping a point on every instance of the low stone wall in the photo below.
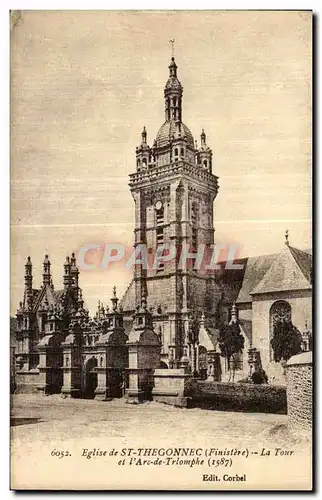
[172,387]
[299,393]
[27,382]
[239,397]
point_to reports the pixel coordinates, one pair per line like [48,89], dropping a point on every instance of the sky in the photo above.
[83,85]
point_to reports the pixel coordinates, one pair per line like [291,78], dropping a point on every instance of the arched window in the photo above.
[279,311]
[205,164]
[138,163]
[182,152]
[176,152]
[144,162]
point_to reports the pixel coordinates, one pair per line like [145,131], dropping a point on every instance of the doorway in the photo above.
[90,378]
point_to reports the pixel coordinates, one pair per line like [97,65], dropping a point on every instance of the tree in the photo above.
[231,342]
[286,341]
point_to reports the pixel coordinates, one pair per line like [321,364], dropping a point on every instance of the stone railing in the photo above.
[157,172]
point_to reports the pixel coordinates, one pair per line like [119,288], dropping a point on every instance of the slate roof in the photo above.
[128,299]
[247,326]
[304,261]
[237,284]
[255,270]
[173,83]
[53,296]
[290,270]
[174,129]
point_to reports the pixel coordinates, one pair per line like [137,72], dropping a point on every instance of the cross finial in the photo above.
[114,291]
[172,48]
[286,238]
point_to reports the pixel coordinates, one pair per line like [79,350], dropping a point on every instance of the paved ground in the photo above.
[41,423]
[43,418]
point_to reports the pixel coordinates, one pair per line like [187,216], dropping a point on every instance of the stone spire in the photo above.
[144,136]
[74,272]
[143,152]
[115,316]
[143,316]
[203,138]
[202,319]
[68,280]
[173,94]
[204,154]
[46,276]
[114,299]
[28,274]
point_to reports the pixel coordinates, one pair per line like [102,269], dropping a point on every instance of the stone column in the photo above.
[102,392]
[144,350]
[72,363]
[44,385]
[112,354]
[50,363]
[72,372]
[134,393]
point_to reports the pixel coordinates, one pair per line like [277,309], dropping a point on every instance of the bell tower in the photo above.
[174,191]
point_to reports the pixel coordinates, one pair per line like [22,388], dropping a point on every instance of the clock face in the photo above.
[158,205]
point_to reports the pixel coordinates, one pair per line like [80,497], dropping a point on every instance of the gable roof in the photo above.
[289,271]
[255,270]
[53,296]
[304,261]
[237,284]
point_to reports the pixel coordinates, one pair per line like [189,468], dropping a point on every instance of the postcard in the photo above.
[161,250]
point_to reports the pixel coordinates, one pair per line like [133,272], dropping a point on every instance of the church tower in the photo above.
[174,190]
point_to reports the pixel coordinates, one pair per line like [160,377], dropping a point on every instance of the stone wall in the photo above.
[28,382]
[299,393]
[172,387]
[301,304]
[253,398]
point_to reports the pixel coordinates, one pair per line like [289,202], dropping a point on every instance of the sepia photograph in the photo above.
[161,327]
